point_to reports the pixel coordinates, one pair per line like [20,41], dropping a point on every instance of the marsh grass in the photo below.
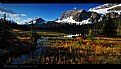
[90,50]
[78,51]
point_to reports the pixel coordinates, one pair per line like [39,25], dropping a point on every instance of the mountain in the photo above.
[78,17]
[76,14]
[106,8]
[38,21]
[96,14]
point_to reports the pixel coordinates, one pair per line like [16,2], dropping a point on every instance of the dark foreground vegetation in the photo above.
[10,43]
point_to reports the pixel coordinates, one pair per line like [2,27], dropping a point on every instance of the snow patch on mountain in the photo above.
[95,14]
[104,10]
[70,20]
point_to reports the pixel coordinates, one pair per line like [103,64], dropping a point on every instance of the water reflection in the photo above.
[35,55]
[32,55]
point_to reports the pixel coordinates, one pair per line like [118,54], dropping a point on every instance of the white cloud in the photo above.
[18,18]
[74,8]
[23,15]
[2,12]
[8,18]
[21,20]
[14,15]
[28,20]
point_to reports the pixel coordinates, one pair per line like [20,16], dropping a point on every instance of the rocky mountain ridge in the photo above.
[97,14]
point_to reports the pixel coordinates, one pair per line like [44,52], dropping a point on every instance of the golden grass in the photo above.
[23,38]
[103,51]
[17,30]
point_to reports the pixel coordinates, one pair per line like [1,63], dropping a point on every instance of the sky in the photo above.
[48,12]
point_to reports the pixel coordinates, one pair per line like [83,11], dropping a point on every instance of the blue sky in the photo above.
[46,11]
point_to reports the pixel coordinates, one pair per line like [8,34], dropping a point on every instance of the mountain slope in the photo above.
[96,14]
[106,8]
[39,21]
[78,16]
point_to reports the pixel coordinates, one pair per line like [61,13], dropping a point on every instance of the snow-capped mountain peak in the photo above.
[107,5]
[105,8]
[37,20]
[70,20]
[75,16]
[96,14]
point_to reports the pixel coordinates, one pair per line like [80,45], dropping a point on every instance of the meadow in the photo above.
[79,50]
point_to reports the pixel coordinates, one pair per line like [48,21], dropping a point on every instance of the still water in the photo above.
[41,48]
[31,56]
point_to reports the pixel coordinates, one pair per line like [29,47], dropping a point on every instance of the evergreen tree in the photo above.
[109,28]
[6,35]
[119,27]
